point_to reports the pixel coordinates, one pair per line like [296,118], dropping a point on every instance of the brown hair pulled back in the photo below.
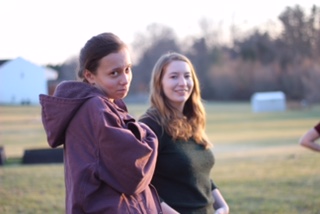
[96,48]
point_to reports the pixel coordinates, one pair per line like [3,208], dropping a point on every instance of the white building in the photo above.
[268,101]
[22,81]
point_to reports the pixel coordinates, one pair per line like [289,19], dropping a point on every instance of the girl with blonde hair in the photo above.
[177,116]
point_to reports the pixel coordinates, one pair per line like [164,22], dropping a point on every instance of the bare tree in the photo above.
[301,33]
[158,40]
[69,69]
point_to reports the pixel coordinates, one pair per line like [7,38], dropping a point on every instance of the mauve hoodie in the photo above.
[109,157]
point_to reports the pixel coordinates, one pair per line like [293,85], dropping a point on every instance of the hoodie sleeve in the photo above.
[126,151]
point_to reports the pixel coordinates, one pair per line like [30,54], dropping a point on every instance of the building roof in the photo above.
[50,73]
[2,61]
[273,95]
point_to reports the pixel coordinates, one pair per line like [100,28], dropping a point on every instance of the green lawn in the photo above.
[260,168]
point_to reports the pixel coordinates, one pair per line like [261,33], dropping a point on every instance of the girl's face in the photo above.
[113,75]
[177,83]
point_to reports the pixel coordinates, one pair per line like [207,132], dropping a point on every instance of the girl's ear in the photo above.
[89,77]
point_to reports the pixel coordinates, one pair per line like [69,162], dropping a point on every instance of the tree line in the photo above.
[256,62]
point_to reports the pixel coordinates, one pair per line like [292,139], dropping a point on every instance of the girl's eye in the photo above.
[114,73]
[128,70]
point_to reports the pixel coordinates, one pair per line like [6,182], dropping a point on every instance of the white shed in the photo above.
[21,82]
[268,101]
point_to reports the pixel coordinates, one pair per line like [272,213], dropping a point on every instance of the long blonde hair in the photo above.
[189,125]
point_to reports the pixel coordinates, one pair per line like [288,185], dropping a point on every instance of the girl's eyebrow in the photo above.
[177,72]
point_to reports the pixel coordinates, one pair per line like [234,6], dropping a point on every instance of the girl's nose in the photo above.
[125,79]
[182,81]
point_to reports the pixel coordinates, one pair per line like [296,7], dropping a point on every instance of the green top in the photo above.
[182,174]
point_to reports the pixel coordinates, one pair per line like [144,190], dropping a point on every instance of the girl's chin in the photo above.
[179,101]
[122,95]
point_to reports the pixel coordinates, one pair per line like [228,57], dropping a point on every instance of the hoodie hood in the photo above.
[59,109]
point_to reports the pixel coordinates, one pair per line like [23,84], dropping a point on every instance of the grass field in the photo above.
[260,168]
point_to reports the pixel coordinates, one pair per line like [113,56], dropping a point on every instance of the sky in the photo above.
[53,31]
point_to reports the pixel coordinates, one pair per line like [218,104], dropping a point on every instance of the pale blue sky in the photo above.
[51,31]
